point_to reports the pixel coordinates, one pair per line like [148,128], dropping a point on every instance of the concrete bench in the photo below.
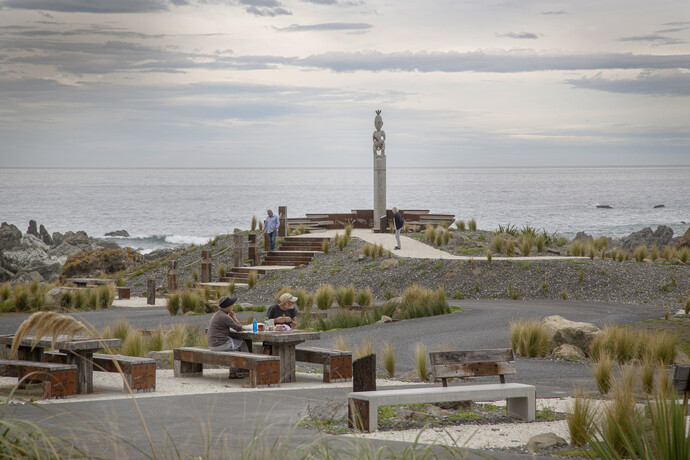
[59,380]
[337,364]
[521,399]
[264,370]
[139,374]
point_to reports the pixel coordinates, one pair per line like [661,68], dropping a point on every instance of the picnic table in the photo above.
[278,343]
[79,352]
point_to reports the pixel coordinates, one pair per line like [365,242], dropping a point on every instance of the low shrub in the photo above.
[640,253]
[364,296]
[325,296]
[326,246]
[5,291]
[510,248]
[345,296]
[472,224]
[529,338]
[252,279]
[460,225]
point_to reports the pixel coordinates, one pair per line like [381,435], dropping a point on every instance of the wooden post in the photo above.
[364,373]
[150,291]
[363,379]
[172,276]
[206,266]
[238,251]
[282,216]
[383,224]
[267,244]
[252,251]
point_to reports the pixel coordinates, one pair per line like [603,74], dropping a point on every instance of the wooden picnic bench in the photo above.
[520,398]
[264,370]
[139,374]
[337,364]
[59,380]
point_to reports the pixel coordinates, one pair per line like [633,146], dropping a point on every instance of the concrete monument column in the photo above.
[379,138]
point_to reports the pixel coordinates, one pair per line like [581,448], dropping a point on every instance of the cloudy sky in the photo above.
[251,83]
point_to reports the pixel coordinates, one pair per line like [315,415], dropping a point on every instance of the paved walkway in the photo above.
[414,249]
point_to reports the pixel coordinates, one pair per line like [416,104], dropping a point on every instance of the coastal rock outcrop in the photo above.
[97,261]
[663,236]
[122,233]
[563,331]
[684,240]
[10,237]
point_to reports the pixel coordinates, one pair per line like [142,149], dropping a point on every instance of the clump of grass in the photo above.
[460,225]
[388,356]
[489,256]
[510,248]
[326,246]
[252,279]
[221,271]
[446,236]
[105,294]
[325,296]
[135,344]
[602,372]
[418,302]
[430,233]
[340,343]
[363,297]
[379,250]
[621,415]
[580,418]
[5,291]
[498,244]
[231,288]
[345,296]
[66,300]
[439,238]
[367,250]
[21,298]
[176,336]
[472,224]
[564,294]
[687,306]
[526,245]
[255,221]
[513,292]
[544,286]
[529,338]
[659,346]
[364,348]
[540,242]
[640,253]
[348,231]
[684,255]
[654,252]
[420,357]
[156,340]
[647,372]
[173,305]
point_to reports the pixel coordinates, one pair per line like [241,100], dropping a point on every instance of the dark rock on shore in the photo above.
[604,206]
[122,233]
[663,236]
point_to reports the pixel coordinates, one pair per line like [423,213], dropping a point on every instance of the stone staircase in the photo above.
[292,252]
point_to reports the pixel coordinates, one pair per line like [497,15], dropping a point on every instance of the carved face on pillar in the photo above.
[378,122]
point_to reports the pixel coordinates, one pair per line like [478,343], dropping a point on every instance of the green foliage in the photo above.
[190,301]
[255,221]
[252,279]
[460,225]
[364,348]
[510,248]
[259,308]
[472,224]
[513,292]
[221,271]
[5,291]
[105,294]
[489,256]
[156,340]
[326,246]
[640,253]
[21,298]
[135,344]
[388,356]
[580,418]
[363,297]
[173,305]
[418,302]
[121,329]
[457,295]
[603,372]
[66,300]
[526,245]
[345,296]
[325,296]
[430,233]
[529,338]
[420,358]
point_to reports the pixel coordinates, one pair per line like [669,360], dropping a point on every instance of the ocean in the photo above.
[162,208]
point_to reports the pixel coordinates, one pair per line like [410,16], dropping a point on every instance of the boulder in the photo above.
[582,236]
[122,233]
[45,236]
[663,236]
[96,261]
[385,319]
[388,263]
[63,251]
[567,352]
[79,239]
[106,244]
[545,441]
[682,242]
[33,229]
[57,238]
[10,237]
[563,331]
[25,277]
[329,411]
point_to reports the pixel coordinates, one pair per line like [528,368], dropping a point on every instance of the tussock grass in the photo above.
[364,296]
[580,417]
[654,253]
[221,271]
[21,298]
[364,348]
[135,345]
[526,245]
[510,248]
[156,341]
[173,305]
[529,338]
[625,344]
[602,372]
[325,296]
[540,242]
[5,291]
[446,236]
[472,224]
[640,253]
[255,221]
[105,295]
[421,364]
[348,231]
[430,233]
[121,329]
[439,239]
[252,279]
[684,255]
[418,302]
[345,296]
[46,323]
[647,372]
[340,343]
[189,301]
[513,292]
[489,256]
[326,246]
[176,336]
[687,306]
[388,356]
[498,244]
[460,225]
[621,415]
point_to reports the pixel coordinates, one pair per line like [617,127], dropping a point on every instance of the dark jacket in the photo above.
[399,222]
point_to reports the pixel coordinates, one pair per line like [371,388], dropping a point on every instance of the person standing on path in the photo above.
[399,222]
[218,337]
[271,226]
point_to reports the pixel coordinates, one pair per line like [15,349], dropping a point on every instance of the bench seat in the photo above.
[337,364]
[59,380]
[363,405]
[139,374]
[264,370]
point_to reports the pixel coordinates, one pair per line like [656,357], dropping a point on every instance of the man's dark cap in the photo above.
[225,301]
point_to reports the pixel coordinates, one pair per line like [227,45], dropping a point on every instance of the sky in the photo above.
[295,83]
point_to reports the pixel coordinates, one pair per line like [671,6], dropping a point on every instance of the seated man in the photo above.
[285,312]
[218,337]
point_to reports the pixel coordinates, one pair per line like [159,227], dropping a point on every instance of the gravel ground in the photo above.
[600,280]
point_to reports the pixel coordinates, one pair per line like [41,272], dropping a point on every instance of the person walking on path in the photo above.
[271,226]
[218,337]
[399,222]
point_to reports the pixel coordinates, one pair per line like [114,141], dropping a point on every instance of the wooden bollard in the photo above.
[252,251]
[206,266]
[150,291]
[172,276]
[282,217]
[363,379]
[238,251]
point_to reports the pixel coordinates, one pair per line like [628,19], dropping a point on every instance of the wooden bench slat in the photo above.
[471,356]
[264,370]
[337,364]
[472,369]
[59,380]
